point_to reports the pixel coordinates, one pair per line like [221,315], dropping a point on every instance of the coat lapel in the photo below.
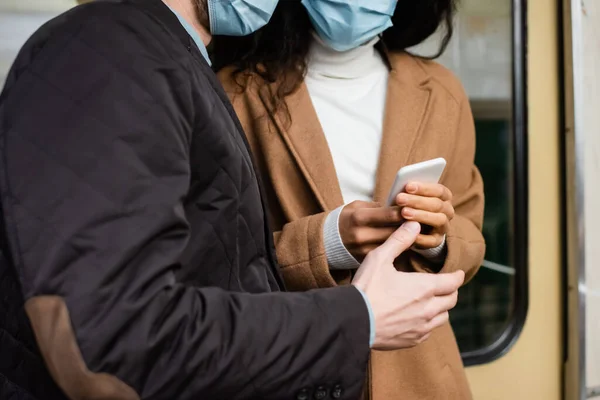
[307,144]
[407,105]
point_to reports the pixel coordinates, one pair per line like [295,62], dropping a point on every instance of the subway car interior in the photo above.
[528,325]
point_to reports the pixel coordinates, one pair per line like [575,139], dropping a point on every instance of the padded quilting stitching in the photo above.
[6,385]
[223,245]
[21,347]
[80,178]
[237,135]
[69,243]
[225,171]
[252,234]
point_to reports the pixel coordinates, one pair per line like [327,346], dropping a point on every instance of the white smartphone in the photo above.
[427,171]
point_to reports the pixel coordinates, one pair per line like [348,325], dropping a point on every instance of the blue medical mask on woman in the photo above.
[239,17]
[346,24]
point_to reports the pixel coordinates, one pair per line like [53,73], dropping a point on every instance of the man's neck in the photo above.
[187,9]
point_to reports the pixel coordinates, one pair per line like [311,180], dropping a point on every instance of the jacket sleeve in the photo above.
[302,257]
[464,240]
[95,165]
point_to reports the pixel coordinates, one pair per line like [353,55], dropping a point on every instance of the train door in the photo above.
[582,154]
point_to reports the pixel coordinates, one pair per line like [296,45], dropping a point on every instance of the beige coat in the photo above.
[428,116]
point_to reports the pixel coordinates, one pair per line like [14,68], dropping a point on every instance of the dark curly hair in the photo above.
[278,51]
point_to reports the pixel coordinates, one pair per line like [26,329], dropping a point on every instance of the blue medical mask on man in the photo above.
[346,24]
[239,17]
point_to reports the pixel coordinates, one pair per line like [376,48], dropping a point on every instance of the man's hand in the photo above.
[429,204]
[364,226]
[407,306]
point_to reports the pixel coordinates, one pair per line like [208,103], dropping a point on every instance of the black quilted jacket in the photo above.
[128,193]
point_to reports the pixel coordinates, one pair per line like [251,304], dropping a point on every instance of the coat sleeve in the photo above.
[464,240]
[301,254]
[95,165]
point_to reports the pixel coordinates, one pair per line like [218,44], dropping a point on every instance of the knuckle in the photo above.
[454,299]
[356,204]
[419,297]
[357,218]
[418,241]
[443,319]
[393,215]
[358,237]
[351,237]
[422,339]
[398,214]
[449,209]
[423,331]
[405,198]
[429,314]
[429,242]
[444,220]
[421,243]
[438,321]
[429,287]
[452,213]
[443,191]
[354,218]
[422,296]
[446,318]
[351,206]
[439,206]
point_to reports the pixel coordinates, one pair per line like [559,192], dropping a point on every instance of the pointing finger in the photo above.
[401,240]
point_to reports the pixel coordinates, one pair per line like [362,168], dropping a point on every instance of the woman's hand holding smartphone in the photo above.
[415,196]
[422,199]
[430,204]
[365,226]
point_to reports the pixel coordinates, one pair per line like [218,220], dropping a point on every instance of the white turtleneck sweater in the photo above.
[348,90]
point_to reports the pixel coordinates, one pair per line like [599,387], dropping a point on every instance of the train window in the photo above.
[487,54]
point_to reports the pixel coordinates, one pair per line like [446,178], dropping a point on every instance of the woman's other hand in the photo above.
[365,226]
[430,204]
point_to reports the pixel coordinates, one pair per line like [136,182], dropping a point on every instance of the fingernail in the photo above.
[413,227]
[411,188]
[401,199]
[408,212]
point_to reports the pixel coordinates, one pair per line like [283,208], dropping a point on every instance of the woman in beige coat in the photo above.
[331,113]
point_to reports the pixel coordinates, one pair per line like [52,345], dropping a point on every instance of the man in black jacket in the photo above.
[134,233]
